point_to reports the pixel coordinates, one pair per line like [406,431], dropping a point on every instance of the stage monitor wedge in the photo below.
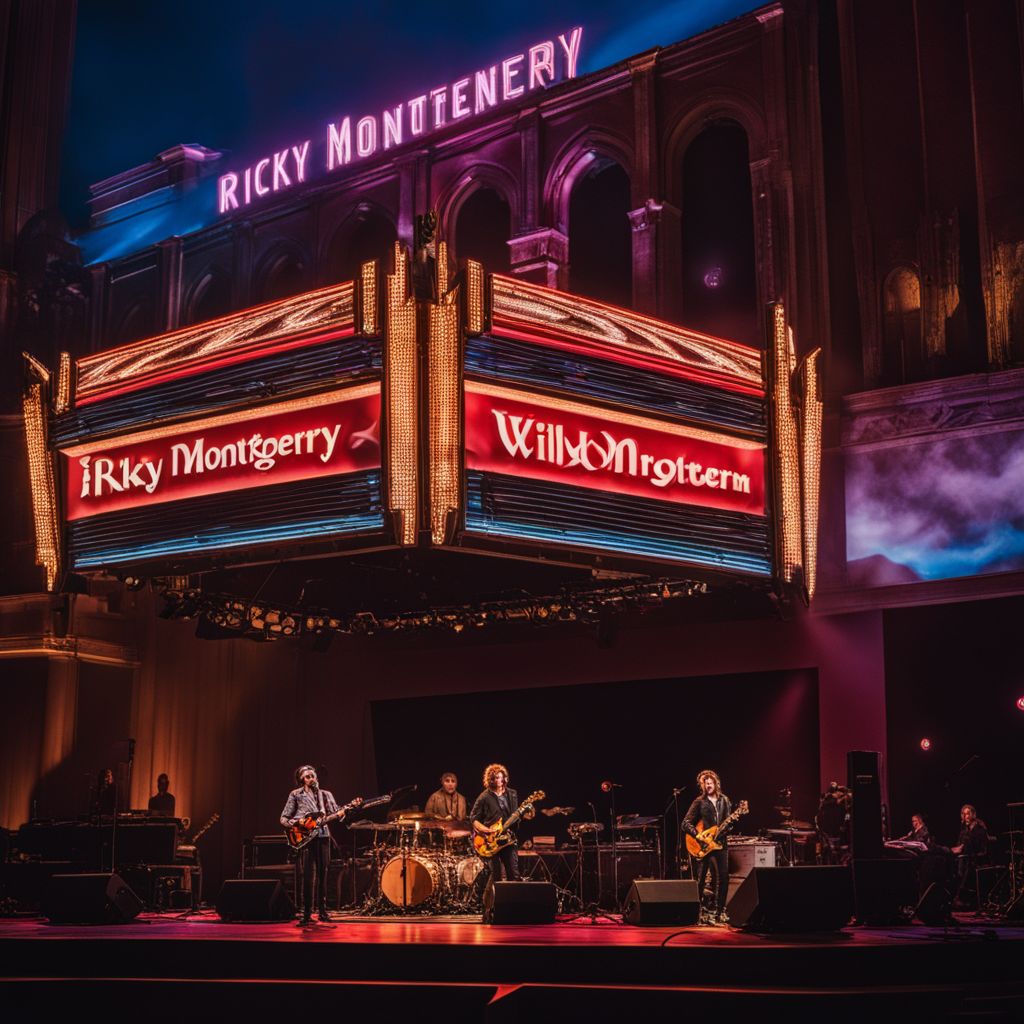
[662,902]
[93,898]
[254,900]
[801,899]
[520,903]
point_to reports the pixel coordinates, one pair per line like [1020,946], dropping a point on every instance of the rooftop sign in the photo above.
[348,140]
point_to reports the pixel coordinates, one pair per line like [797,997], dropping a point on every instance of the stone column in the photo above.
[168,314]
[541,256]
[657,259]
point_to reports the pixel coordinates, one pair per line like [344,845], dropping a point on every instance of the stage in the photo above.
[458,969]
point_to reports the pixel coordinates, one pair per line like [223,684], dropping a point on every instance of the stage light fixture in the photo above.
[926,744]
[713,277]
[1020,703]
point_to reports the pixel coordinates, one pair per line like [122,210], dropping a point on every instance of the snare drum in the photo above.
[465,872]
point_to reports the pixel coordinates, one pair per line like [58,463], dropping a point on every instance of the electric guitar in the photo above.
[705,841]
[487,844]
[213,819]
[300,834]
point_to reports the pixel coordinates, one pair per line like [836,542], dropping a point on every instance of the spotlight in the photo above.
[1020,703]
[713,278]
[926,744]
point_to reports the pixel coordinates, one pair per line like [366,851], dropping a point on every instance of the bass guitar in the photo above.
[487,844]
[706,840]
[301,832]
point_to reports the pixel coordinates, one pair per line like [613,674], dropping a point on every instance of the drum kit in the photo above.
[422,865]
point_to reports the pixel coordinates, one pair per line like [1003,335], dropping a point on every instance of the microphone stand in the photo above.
[615,856]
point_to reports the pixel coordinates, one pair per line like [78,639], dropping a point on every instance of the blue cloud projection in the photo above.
[946,508]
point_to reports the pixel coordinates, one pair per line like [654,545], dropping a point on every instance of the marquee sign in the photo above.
[510,419]
[338,432]
[564,442]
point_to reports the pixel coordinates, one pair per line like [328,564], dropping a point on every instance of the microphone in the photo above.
[676,792]
[593,809]
[607,786]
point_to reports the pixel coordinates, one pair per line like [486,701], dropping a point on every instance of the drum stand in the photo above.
[588,908]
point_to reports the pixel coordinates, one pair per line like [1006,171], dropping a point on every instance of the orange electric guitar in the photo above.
[300,834]
[487,844]
[706,840]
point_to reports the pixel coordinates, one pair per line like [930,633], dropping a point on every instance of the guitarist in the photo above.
[495,804]
[312,860]
[712,807]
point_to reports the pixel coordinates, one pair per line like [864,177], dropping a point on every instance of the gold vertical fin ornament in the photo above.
[444,402]
[475,323]
[810,462]
[44,499]
[62,402]
[789,524]
[369,314]
[400,400]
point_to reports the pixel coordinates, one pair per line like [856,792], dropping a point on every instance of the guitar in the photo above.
[705,842]
[214,818]
[487,844]
[301,833]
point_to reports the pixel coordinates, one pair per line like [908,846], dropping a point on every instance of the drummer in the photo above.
[447,803]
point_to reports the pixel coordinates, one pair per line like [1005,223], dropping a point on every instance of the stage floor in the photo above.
[458,969]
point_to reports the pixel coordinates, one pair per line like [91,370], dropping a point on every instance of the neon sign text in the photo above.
[349,139]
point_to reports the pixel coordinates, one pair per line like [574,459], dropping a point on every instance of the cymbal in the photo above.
[378,826]
[456,826]
[411,816]
[796,823]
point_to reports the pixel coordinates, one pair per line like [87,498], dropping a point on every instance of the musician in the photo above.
[105,801]
[494,804]
[971,847]
[918,831]
[312,860]
[447,803]
[162,802]
[711,807]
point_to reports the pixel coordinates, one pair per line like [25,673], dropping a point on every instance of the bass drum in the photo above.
[408,880]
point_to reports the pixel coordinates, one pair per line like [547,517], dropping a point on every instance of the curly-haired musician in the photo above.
[711,807]
[494,804]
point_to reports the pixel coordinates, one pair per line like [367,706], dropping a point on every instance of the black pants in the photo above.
[311,875]
[502,867]
[699,870]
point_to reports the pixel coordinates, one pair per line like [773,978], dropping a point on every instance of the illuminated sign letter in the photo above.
[226,189]
[542,58]
[417,121]
[339,144]
[572,50]
[486,89]
[366,136]
[300,154]
[281,179]
[393,127]
[508,72]
[257,182]
[438,99]
[460,107]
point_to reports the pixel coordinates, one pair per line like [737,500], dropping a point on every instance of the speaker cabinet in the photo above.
[254,899]
[934,907]
[804,899]
[884,890]
[95,898]
[665,902]
[520,903]
[864,781]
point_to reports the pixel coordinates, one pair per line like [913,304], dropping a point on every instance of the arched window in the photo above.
[210,299]
[600,241]
[719,273]
[902,355]
[482,230]
[284,275]
[368,235]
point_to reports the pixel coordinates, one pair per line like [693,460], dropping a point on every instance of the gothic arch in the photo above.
[208,297]
[474,179]
[719,105]
[284,269]
[331,257]
[590,149]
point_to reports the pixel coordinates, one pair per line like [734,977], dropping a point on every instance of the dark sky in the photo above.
[244,77]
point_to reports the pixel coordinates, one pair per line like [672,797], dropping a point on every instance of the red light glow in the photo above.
[926,744]
[1020,703]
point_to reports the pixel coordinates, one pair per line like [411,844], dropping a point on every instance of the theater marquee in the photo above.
[508,420]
